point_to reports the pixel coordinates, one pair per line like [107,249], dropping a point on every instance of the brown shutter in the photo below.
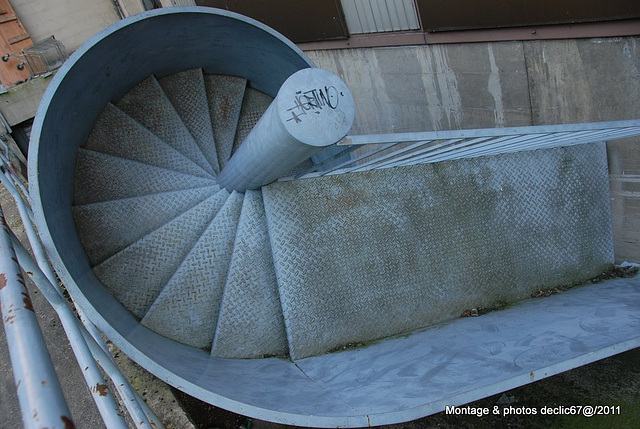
[298,20]
[443,15]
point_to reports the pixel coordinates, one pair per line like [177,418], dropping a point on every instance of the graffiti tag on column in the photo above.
[313,101]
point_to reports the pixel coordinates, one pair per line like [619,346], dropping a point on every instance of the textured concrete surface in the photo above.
[422,88]
[583,80]
[21,102]
[70,21]
[595,80]
[425,88]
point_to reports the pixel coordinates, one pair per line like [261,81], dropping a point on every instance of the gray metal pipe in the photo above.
[100,391]
[313,109]
[44,279]
[39,394]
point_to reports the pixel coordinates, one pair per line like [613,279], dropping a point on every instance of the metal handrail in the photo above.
[86,349]
[86,343]
[375,151]
[484,132]
[39,394]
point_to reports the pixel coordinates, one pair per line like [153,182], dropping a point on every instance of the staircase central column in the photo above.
[313,109]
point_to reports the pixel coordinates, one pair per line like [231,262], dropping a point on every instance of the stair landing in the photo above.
[476,357]
[364,256]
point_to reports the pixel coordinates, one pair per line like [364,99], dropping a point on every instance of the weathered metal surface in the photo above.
[187,308]
[187,94]
[254,105]
[41,401]
[368,255]
[473,358]
[102,177]
[118,134]
[100,392]
[137,274]
[148,104]
[225,94]
[313,109]
[106,228]
[250,324]
[400,149]
[108,66]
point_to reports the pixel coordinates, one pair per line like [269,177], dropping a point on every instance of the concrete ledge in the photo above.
[21,102]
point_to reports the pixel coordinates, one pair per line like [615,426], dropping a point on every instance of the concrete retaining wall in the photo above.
[433,87]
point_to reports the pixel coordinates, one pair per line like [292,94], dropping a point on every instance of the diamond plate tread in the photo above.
[116,133]
[107,227]
[254,104]
[187,308]
[225,95]
[149,105]
[186,92]
[251,324]
[102,177]
[137,274]
[364,256]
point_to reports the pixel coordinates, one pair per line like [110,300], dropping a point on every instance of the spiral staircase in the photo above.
[273,302]
[189,259]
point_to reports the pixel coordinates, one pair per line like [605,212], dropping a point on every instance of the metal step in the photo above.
[107,227]
[254,104]
[148,104]
[118,134]
[102,177]
[186,92]
[187,309]
[137,274]
[250,324]
[369,255]
[225,95]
